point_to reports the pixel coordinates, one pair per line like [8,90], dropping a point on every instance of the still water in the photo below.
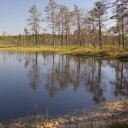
[31,83]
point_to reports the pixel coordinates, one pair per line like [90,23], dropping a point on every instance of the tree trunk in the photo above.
[100,33]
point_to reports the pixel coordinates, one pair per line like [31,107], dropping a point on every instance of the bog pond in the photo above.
[36,83]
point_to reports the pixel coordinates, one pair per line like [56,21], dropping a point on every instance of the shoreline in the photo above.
[103,115]
[84,51]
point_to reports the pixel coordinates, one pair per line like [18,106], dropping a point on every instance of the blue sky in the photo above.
[14,13]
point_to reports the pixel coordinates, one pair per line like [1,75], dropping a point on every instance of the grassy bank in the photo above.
[107,52]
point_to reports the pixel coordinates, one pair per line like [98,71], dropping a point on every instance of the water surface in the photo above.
[31,83]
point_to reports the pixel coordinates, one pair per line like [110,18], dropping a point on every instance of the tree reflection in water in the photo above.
[65,71]
[58,72]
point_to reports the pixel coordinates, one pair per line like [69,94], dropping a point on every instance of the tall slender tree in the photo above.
[120,15]
[51,16]
[63,24]
[33,22]
[90,20]
[78,14]
[100,12]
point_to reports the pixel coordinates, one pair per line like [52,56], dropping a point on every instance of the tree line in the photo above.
[78,26]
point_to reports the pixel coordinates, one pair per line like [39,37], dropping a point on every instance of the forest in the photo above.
[105,24]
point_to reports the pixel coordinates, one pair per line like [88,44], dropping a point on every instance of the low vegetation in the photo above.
[87,51]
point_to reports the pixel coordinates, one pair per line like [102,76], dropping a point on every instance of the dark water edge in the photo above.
[107,114]
[32,83]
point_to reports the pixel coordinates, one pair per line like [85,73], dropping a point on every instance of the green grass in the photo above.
[107,52]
